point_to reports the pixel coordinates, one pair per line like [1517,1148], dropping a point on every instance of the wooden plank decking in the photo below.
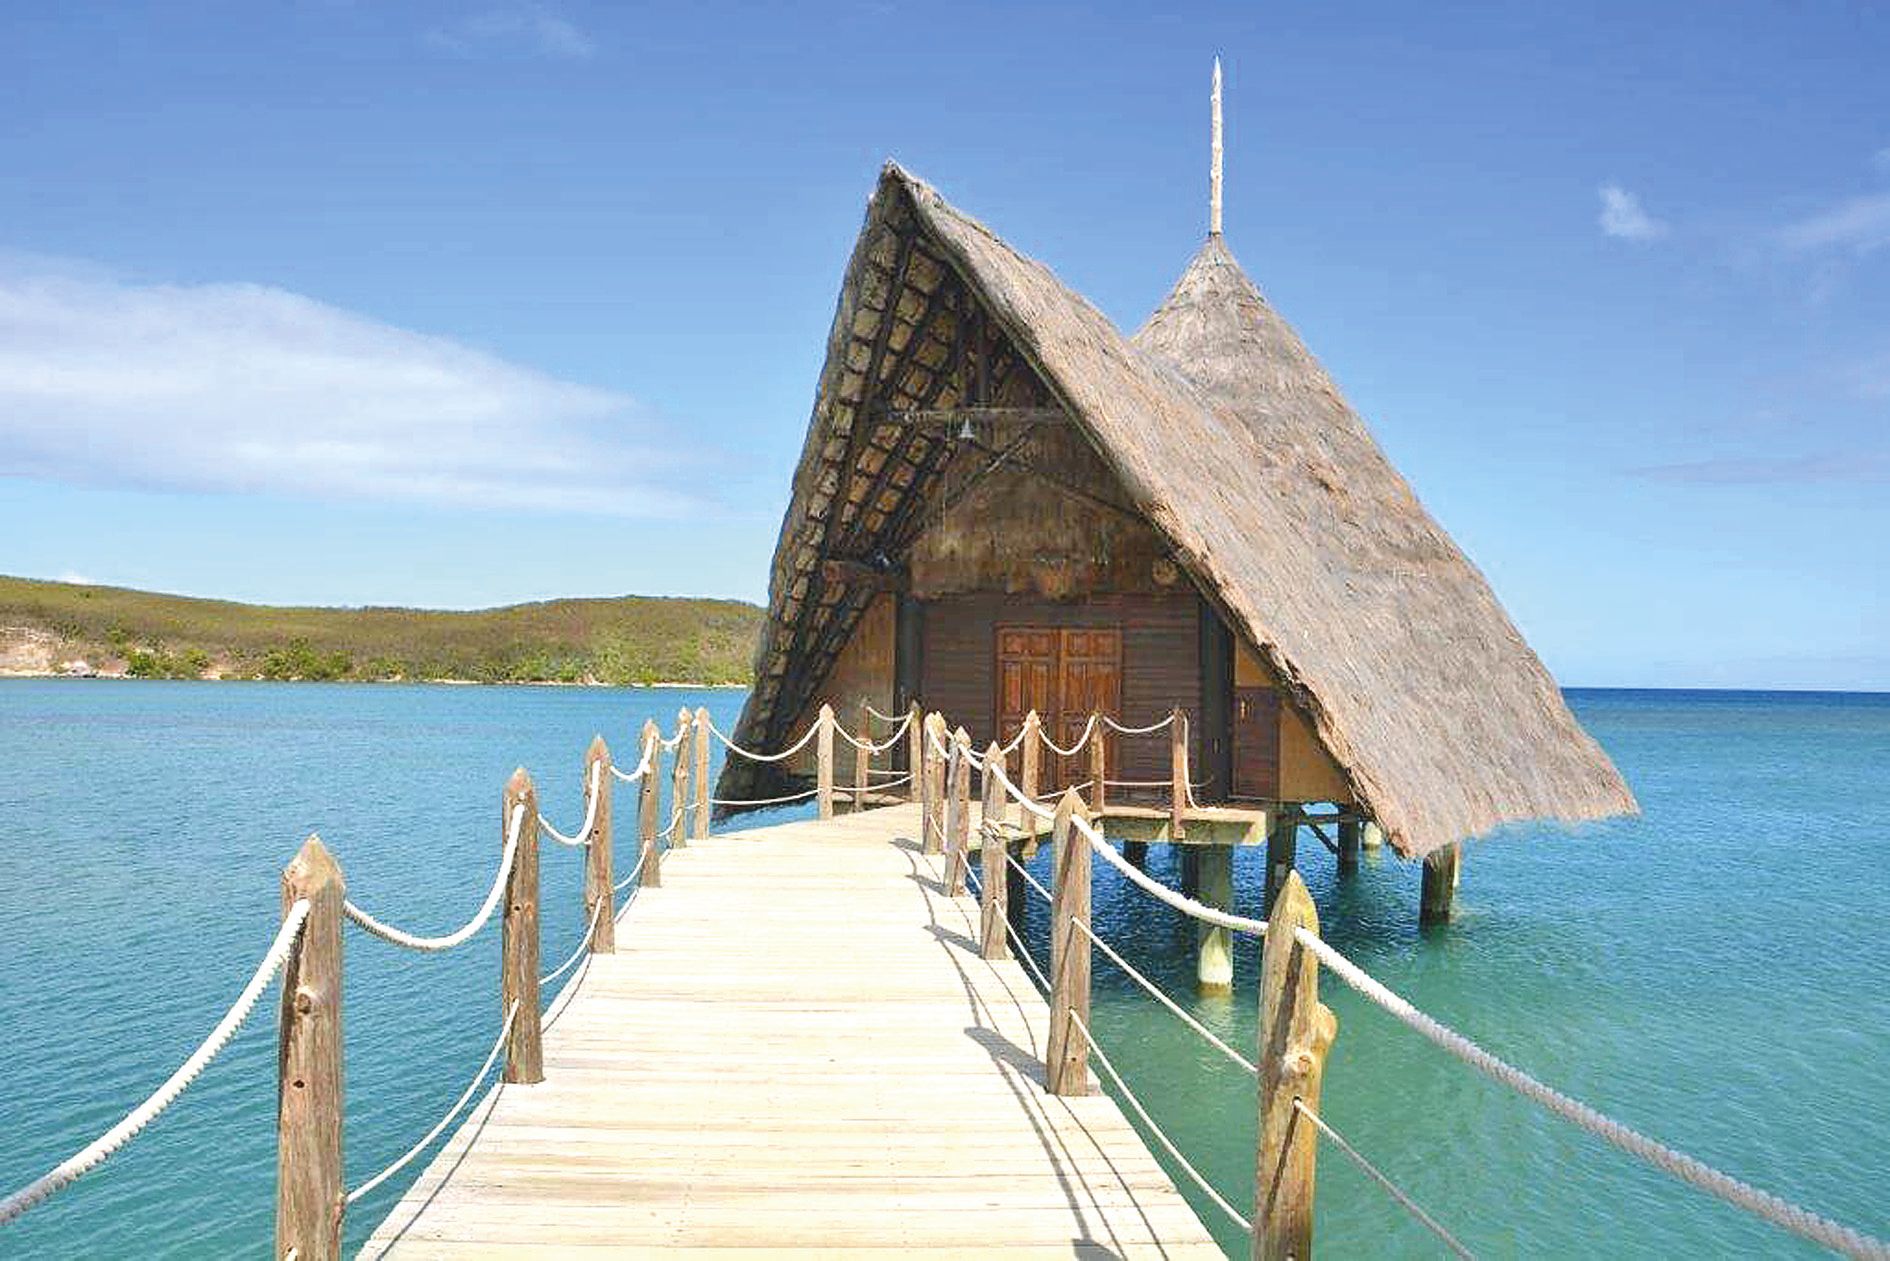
[796,1047]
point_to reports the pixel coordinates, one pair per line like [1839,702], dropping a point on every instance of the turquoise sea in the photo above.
[1716,972]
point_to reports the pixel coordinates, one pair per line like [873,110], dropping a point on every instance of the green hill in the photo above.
[628,639]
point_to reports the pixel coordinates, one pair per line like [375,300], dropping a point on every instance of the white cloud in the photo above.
[77,580]
[237,387]
[1622,216]
[1861,224]
[528,28]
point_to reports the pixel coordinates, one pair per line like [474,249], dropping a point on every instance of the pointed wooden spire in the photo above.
[1214,173]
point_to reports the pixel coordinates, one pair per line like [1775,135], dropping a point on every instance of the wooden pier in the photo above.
[796,1045]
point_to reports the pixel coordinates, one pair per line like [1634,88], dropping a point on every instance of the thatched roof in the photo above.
[1233,442]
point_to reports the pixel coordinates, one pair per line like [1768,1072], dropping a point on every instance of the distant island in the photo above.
[62,628]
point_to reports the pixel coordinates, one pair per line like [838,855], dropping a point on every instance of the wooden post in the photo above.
[1178,773]
[1296,1031]
[1441,870]
[678,824]
[599,886]
[1282,840]
[993,872]
[1214,959]
[309,1193]
[958,814]
[862,761]
[1099,768]
[649,849]
[1030,767]
[1066,1062]
[1348,846]
[703,791]
[823,753]
[915,753]
[518,949]
[933,813]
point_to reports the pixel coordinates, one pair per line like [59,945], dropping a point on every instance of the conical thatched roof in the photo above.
[1232,441]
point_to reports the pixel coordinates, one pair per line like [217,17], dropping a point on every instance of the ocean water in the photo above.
[1715,972]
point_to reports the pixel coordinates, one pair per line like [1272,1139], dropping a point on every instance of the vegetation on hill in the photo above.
[629,639]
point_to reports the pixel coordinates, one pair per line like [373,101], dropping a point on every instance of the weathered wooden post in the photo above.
[1066,1062]
[993,871]
[703,791]
[1099,768]
[600,894]
[678,826]
[823,761]
[958,814]
[933,812]
[1282,841]
[649,849]
[1348,846]
[518,950]
[862,760]
[1030,767]
[1441,870]
[915,753]
[1177,773]
[1296,1031]
[309,1193]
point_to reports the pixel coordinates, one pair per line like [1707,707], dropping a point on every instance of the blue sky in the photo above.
[458,305]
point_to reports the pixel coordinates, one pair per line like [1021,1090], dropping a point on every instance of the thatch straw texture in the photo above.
[1230,438]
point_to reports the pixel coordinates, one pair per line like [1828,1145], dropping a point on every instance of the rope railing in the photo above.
[466,931]
[94,1153]
[583,835]
[583,946]
[806,738]
[1697,1173]
[892,738]
[1390,1188]
[1200,1180]
[439,1128]
[643,767]
[1773,1208]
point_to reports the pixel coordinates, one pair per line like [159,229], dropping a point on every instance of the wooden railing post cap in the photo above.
[993,752]
[519,786]
[312,868]
[826,712]
[1070,804]
[599,751]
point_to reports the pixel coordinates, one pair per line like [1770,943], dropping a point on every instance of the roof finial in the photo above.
[1214,175]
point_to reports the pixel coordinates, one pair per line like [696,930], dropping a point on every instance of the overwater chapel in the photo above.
[1004,504]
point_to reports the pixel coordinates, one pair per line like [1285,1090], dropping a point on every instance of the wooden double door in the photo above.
[1065,673]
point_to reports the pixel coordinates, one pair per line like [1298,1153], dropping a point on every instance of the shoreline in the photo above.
[121,677]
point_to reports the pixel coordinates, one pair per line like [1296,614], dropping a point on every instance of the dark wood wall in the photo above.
[1161,662]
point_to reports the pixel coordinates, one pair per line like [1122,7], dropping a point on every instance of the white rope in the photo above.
[874,749]
[762,801]
[92,1154]
[1089,729]
[1115,726]
[887,717]
[583,835]
[1029,879]
[1391,1188]
[1779,1211]
[582,948]
[1207,1188]
[505,1031]
[1010,930]
[1162,893]
[635,871]
[675,818]
[752,756]
[1017,794]
[1213,1039]
[643,767]
[387,932]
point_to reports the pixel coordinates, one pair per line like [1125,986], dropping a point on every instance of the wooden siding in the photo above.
[1307,771]
[1161,661]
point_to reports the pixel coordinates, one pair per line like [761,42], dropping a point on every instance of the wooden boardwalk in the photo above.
[796,1047]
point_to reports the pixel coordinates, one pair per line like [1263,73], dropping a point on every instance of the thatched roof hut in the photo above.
[1228,438]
